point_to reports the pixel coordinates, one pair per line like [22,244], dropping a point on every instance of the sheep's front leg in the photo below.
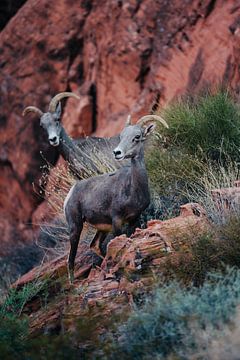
[75,225]
[75,232]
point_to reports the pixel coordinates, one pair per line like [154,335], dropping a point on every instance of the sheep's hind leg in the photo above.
[117,226]
[131,228]
[97,241]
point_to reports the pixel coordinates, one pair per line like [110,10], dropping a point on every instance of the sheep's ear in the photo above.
[148,129]
[58,111]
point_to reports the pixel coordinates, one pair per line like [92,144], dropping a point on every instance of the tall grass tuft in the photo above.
[207,125]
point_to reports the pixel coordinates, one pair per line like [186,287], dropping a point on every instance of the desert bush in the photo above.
[163,325]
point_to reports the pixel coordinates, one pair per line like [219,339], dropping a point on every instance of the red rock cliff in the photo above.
[119,55]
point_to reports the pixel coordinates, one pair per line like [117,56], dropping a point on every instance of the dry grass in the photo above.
[219,206]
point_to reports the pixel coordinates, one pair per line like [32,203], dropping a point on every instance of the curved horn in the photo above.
[148,118]
[32,109]
[55,100]
[128,121]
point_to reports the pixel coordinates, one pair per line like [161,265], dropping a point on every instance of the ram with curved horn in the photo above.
[76,152]
[107,202]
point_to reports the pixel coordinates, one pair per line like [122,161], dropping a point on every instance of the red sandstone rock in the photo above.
[119,56]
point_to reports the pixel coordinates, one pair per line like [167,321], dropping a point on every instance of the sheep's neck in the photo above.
[139,179]
[66,147]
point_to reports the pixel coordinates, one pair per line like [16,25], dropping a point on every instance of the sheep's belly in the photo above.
[103,227]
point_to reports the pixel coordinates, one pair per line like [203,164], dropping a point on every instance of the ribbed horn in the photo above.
[128,121]
[148,118]
[55,100]
[32,109]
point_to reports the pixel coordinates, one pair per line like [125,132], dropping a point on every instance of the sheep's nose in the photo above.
[117,152]
[53,139]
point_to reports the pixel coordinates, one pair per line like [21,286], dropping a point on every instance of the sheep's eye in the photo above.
[137,137]
[57,123]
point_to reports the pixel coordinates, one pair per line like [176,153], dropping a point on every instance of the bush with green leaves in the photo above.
[202,142]
[167,322]
[206,125]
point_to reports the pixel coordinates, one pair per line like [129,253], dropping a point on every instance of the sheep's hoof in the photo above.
[71,276]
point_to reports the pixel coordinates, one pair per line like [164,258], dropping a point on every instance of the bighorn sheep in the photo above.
[76,152]
[110,200]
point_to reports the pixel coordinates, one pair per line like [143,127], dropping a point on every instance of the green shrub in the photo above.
[207,125]
[15,341]
[16,299]
[199,152]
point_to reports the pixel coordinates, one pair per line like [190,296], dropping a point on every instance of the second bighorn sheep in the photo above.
[76,152]
[110,200]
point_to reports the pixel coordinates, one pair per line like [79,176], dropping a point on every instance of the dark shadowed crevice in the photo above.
[3,121]
[144,67]
[196,71]
[87,5]
[229,71]
[235,25]
[155,103]
[210,8]
[93,94]
[138,4]
[8,8]
[6,162]
[75,47]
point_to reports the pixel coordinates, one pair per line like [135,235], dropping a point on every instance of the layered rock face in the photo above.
[120,56]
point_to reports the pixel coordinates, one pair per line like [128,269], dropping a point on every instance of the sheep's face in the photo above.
[50,122]
[131,141]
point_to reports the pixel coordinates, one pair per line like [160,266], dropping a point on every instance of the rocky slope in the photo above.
[120,56]
[105,287]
